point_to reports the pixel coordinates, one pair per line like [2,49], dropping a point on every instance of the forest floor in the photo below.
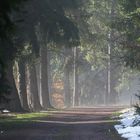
[73,124]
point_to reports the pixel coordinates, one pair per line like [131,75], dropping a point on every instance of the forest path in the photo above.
[72,124]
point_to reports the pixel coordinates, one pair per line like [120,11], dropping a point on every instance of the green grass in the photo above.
[116,115]
[31,116]
[18,120]
[23,116]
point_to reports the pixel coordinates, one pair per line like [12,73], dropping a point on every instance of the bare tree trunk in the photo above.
[75,87]
[34,88]
[113,72]
[111,81]
[108,83]
[67,68]
[67,91]
[38,75]
[22,84]
[14,104]
[44,79]
[49,74]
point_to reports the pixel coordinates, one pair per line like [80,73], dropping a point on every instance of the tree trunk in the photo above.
[34,88]
[14,104]
[67,68]
[75,87]
[113,68]
[22,84]
[38,73]
[44,79]
[50,81]
[107,96]
[111,81]
[67,91]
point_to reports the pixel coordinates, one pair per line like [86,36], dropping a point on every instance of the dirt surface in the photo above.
[72,124]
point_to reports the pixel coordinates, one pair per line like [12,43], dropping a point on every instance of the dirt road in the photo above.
[72,124]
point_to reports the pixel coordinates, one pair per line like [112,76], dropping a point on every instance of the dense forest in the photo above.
[62,54]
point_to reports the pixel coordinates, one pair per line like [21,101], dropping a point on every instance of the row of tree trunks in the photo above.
[28,83]
[19,100]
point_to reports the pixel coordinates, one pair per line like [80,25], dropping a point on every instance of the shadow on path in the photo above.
[72,124]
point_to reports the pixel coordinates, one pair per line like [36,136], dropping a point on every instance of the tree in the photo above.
[22,83]
[44,78]
[14,103]
[75,80]
[128,26]
[6,57]
[67,73]
[35,103]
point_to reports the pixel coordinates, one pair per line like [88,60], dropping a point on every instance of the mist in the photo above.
[78,82]
[68,54]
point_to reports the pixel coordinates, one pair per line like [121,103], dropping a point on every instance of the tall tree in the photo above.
[35,103]
[23,84]
[76,96]
[67,72]
[7,52]
[14,103]
[44,78]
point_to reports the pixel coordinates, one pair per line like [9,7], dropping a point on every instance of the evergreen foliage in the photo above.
[45,33]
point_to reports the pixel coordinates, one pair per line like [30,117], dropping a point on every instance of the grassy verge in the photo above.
[117,114]
[18,120]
